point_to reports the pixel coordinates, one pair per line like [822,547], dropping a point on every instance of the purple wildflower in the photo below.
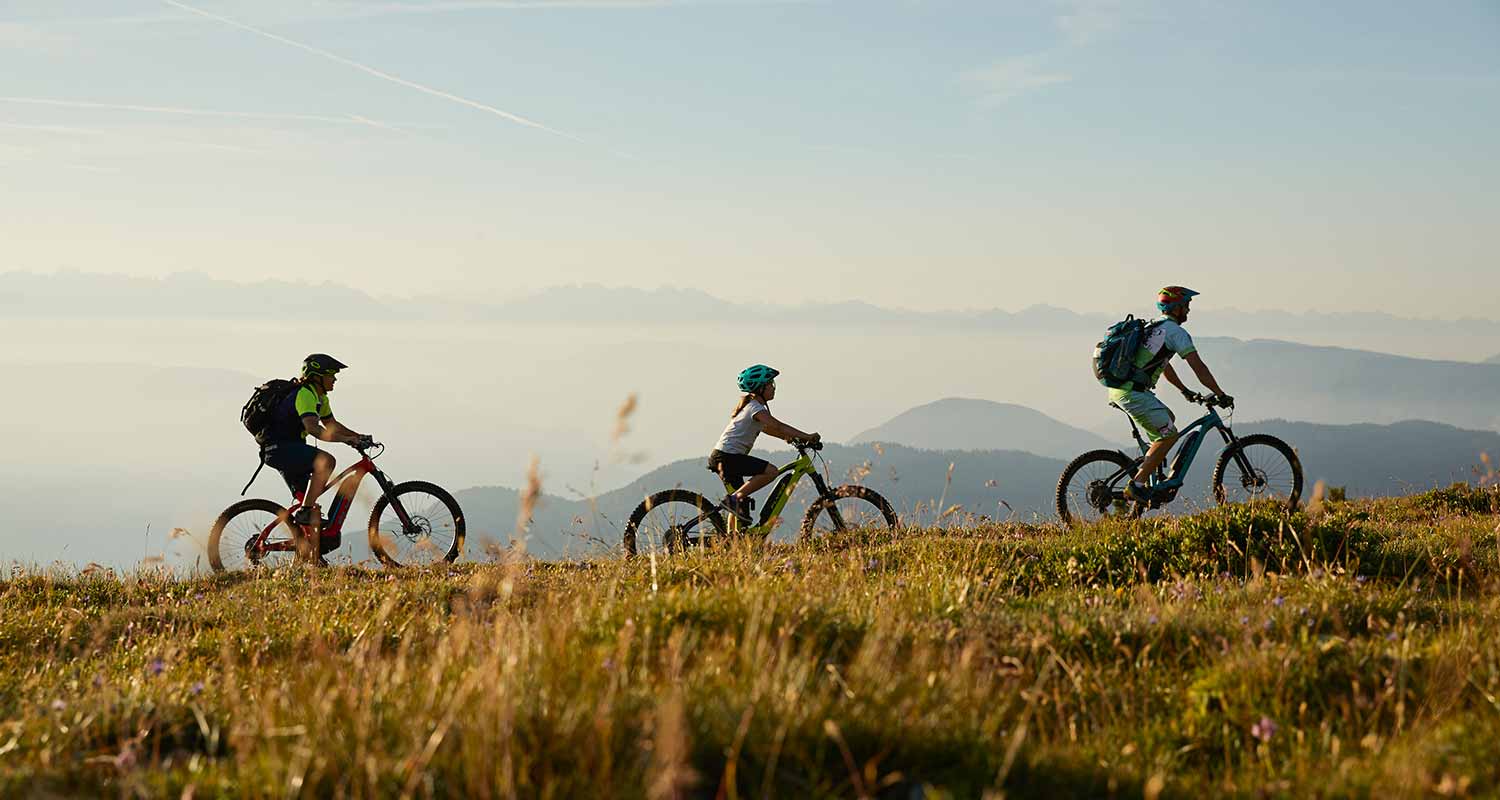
[156,667]
[196,688]
[1264,729]
[1278,601]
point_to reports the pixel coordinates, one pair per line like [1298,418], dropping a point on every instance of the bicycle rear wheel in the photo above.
[1090,488]
[668,522]
[252,533]
[1258,467]
[432,531]
[847,508]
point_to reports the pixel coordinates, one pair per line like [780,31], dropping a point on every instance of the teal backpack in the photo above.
[1114,357]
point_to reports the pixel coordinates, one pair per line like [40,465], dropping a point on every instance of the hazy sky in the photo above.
[924,154]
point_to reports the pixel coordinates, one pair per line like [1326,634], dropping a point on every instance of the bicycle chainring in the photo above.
[1100,496]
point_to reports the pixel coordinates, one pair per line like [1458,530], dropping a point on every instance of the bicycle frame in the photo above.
[347,485]
[780,495]
[776,501]
[1189,441]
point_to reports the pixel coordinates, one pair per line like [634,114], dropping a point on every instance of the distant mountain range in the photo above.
[196,295]
[1365,459]
[1332,384]
[1494,359]
[956,423]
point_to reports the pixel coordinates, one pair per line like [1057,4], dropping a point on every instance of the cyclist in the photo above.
[731,457]
[304,413]
[1165,337]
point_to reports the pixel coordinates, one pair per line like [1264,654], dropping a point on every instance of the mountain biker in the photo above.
[304,413]
[1165,337]
[731,457]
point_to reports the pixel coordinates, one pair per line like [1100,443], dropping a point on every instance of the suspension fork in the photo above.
[825,493]
[387,488]
[1230,440]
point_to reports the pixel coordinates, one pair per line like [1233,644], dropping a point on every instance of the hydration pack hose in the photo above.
[260,467]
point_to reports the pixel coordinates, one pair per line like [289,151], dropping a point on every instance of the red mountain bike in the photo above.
[415,522]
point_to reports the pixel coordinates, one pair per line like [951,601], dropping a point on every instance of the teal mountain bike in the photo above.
[1254,467]
[676,519]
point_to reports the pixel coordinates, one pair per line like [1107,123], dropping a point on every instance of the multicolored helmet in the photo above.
[319,364]
[753,379]
[1173,296]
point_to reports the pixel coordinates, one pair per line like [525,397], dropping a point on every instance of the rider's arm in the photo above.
[1171,376]
[333,431]
[779,429]
[1201,370]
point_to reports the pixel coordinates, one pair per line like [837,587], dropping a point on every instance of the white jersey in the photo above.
[739,436]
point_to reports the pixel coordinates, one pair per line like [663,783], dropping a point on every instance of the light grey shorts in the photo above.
[1149,412]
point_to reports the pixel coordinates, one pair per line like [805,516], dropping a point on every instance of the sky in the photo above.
[911,153]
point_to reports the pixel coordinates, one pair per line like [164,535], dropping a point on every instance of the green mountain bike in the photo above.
[676,519]
[1254,467]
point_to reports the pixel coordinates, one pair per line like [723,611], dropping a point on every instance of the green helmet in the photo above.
[319,364]
[755,378]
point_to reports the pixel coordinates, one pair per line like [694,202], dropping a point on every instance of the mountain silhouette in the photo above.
[957,423]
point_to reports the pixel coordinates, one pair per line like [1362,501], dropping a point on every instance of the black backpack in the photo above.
[259,413]
[1114,357]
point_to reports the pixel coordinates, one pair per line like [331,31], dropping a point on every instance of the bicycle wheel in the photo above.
[433,532]
[666,522]
[1275,472]
[847,507]
[236,542]
[1090,488]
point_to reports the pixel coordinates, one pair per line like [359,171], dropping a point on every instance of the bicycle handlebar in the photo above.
[1213,400]
[807,444]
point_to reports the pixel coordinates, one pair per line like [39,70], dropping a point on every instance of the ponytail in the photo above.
[745,401]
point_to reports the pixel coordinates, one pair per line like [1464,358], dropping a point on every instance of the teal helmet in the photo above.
[319,364]
[753,379]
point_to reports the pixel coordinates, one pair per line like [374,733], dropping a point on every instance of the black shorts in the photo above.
[734,468]
[294,460]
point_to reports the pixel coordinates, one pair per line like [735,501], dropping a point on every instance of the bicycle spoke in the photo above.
[431,534]
[671,526]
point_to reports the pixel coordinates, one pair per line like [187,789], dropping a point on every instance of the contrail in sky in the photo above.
[516,118]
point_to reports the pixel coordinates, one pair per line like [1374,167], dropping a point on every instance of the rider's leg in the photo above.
[1158,423]
[1155,455]
[755,483]
[323,465]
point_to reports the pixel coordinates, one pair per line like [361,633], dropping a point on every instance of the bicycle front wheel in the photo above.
[847,508]
[252,533]
[427,528]
[667,522]
[1091,488]
[1258,467]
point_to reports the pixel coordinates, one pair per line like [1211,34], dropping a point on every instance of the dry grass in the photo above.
[1231,652]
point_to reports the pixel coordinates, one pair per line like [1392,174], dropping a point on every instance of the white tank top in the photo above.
[740,435]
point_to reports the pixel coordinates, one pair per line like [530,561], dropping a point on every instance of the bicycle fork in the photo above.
[388,488]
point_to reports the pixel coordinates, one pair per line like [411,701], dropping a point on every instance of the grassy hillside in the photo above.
[1235,652]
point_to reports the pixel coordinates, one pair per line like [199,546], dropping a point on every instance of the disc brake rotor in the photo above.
[420,528]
